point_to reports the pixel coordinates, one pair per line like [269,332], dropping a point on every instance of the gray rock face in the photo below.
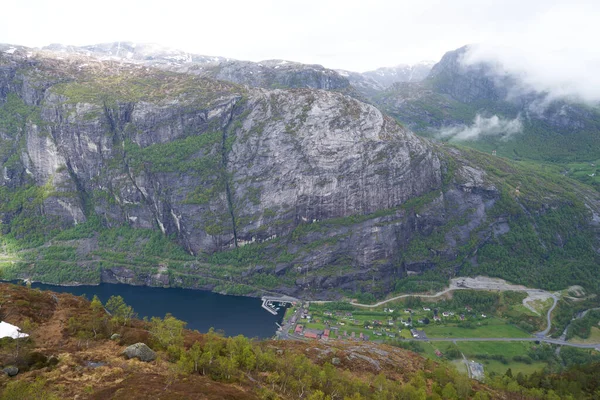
[469,83]
[319,179]
[140,351]
[275,74]
[11,370]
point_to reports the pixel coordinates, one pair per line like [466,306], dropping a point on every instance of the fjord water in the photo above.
[201,310]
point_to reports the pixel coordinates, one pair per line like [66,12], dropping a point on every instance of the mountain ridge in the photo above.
[302,191]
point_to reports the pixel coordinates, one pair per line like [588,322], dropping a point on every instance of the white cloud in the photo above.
[482,126]
[348,34]
[557,53]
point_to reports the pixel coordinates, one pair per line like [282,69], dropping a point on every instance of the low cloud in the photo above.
[482,126]
[556,54]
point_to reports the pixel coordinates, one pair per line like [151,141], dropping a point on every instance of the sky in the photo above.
[349,34]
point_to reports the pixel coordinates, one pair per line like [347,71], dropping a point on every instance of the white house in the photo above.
[8,330]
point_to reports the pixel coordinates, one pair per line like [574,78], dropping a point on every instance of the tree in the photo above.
[168,331]
[463,386]
[195,355]
[449,392]
[120,311]
[97,315]
[481,396]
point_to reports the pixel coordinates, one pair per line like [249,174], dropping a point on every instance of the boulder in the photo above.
[336,361]
[140,351]
[11,370]
[115,336]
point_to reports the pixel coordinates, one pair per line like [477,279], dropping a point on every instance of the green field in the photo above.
[491,328]
[496,367]
[508,349]
[594,337]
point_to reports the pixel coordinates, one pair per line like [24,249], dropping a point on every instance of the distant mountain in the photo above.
[455,96]
[371,83]
[387,76]
[149,53]
[270,74]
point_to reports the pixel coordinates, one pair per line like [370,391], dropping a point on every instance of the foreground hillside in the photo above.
[118,172]
[69,354]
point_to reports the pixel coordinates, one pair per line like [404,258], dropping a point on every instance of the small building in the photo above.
[426,309]
[298,329]
[313,333]
[446,314]
[326,334]
[438,353]
[462,317]
[436,318]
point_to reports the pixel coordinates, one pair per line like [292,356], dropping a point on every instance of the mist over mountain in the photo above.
[463,88]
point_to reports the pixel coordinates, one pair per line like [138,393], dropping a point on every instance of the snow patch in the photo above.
[8,330]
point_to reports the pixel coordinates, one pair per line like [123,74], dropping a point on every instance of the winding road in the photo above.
[548,318]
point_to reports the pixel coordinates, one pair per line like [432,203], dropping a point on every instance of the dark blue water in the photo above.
[201,310]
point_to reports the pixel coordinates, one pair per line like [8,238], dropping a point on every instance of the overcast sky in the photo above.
[353,35]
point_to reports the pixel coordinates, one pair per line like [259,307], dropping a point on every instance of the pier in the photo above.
[267,300]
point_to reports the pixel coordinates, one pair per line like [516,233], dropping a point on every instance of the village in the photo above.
[319,321]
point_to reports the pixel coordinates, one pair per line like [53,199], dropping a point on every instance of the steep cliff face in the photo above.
[313,187]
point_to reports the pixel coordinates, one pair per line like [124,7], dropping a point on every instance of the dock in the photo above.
[266,300]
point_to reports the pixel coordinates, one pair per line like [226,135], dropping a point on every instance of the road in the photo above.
[526,339]
[466,362]
[485,283]
[548,318]
[465,283]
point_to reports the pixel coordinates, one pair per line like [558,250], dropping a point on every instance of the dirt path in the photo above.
[477,283]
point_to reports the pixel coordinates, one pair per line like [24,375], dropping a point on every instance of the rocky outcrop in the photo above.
[140,351]
[11,371]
